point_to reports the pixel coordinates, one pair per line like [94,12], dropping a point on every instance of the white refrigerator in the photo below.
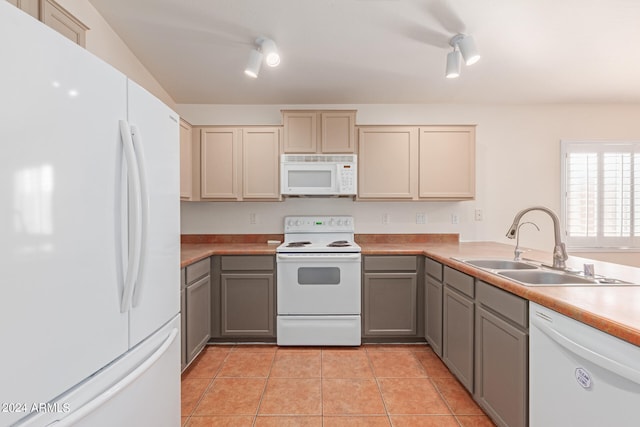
[89,238]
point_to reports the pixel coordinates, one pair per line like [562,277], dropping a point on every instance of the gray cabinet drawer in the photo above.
[459,281]
[503,303]
[198,270]
[433,269]
[247,262]
[391,263]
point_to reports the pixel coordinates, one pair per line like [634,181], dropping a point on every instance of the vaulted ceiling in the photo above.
[386,51]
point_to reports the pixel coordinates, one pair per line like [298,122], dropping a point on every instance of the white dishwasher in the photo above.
[578,375]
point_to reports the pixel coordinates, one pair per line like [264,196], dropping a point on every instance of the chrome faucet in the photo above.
[517,252]
[559,250]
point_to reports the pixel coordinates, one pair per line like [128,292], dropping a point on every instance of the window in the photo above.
[601,188]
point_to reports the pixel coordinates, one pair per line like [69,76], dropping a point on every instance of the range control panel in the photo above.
[318,224]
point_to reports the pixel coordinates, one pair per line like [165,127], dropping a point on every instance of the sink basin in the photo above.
[546,278]
[500,264]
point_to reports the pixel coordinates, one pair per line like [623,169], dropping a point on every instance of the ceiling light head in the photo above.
[467,47]
[454,64]
[254,64]
[269,50]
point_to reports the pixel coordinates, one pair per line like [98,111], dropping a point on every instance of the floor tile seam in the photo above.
[264,388]
[446,402]
[375,378]
[204,392]
[321,386]
[417,414]
[420,365]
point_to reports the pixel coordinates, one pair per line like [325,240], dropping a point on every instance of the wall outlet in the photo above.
[454,218]
[421,218]
[478,215]
[253,218]
[385,218]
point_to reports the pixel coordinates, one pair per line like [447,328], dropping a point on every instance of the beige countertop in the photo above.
[613,309]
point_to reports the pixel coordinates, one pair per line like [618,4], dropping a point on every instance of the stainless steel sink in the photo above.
[500,264]
[546,278]
[532,274]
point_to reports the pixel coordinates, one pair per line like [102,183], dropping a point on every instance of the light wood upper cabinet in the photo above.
[56,17]
[260,163]
[387,167]
[186,164]
[239,163]
[416,163]
[315,131]
[32,7]
[338,133]
[219,163]
[300,131]
[447,162]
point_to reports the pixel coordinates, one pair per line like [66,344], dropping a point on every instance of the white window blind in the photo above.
[601,188]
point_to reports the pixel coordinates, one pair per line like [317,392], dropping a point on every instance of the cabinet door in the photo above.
[447,162]
[458,335]
[433,314]
[338,131]
[260,163]
[186,170]
[32,7]
[387,163]
[198,306]
[501,370]
[300,131]
[56,17]
[390,304]
[220,165]
[247,306]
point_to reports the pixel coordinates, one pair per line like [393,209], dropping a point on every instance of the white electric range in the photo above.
[319,282]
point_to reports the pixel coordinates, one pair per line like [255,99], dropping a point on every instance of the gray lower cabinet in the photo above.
[197,308]
[458,317]
[433,305]
[247,296]
[501,386]
[183,320]
[390,297]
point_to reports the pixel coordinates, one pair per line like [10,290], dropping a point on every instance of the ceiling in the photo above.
[386,51]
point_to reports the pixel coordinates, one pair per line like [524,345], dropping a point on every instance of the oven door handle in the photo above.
[310,257]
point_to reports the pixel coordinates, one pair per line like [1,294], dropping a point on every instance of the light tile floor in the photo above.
[371,385]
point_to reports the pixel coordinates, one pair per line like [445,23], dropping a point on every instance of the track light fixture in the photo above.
[254,64]
[454,64]
[465,47]
[266,49]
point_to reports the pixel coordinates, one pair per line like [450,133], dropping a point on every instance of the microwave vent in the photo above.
[319,158]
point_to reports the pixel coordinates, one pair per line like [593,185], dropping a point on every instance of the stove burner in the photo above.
[339,244]
[297,244]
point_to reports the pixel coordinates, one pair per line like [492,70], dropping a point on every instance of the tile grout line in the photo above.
[375,377]
[264,389]
[321,387]
[212,379]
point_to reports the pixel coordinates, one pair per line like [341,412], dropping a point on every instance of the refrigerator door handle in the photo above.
[135,208]
[112,391]
[144,214]
[590,355]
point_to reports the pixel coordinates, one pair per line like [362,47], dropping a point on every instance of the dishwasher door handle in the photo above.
[592,356]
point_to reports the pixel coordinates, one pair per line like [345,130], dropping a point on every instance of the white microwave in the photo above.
[318,174]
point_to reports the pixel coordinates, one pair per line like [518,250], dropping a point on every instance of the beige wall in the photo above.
[106,44]
[518,165]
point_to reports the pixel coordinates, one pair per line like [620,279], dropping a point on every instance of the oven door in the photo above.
[325,284]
